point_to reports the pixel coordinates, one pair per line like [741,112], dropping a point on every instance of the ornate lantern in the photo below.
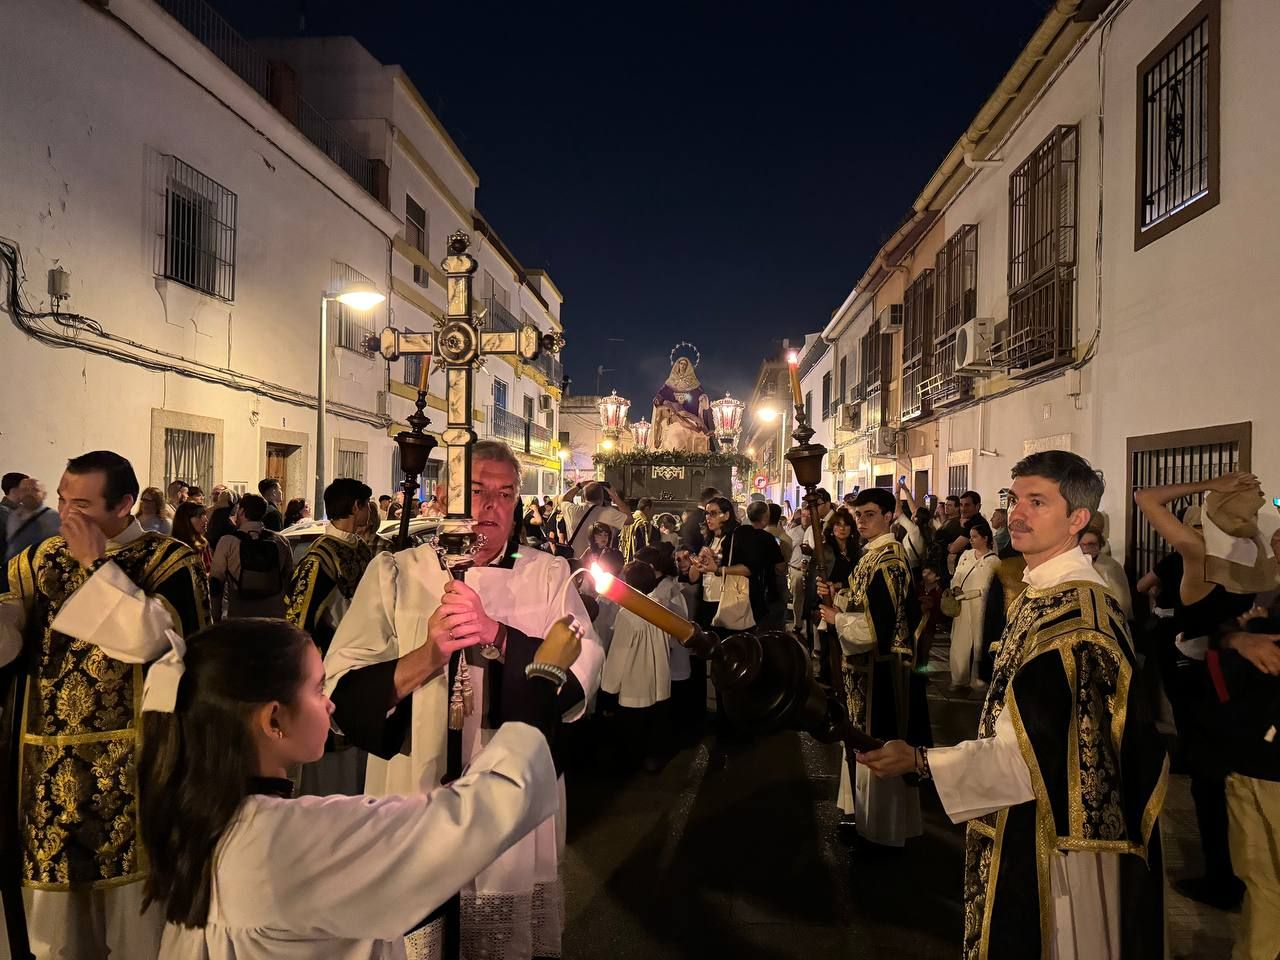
[726,416]
[640,430]
[613,413]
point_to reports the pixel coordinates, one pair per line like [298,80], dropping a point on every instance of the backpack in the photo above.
[260,576]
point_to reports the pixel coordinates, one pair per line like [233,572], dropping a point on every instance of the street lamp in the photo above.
[768,415]
[358,295]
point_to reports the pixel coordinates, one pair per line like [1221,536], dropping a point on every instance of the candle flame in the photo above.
[793,357]
[601,576]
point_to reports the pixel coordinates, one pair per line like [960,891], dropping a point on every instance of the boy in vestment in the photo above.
[85,611]
[390,699]
[1064,785]
[325,579]
[876,631]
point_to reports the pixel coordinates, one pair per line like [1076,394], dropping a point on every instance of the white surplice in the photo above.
[978,777]
[388,619]
[343,878]
[638,667]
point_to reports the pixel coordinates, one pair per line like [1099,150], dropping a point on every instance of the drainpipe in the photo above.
[1058,19]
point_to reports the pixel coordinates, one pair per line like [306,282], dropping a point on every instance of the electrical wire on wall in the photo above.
[74,331]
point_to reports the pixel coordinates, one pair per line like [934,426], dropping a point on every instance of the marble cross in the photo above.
[459,344]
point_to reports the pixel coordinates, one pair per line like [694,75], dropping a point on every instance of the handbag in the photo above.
[734,612]
[951,599]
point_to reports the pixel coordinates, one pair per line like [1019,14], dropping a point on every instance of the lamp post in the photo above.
[359,295]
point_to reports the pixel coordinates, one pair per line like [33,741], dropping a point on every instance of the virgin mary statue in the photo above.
[681,412]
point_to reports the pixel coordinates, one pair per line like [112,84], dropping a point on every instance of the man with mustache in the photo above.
[1064,785]
[387,674]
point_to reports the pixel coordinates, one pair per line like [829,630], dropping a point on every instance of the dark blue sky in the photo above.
[719,173]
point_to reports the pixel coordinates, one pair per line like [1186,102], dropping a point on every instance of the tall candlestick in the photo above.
[628,597]
[793,365]
[425,374]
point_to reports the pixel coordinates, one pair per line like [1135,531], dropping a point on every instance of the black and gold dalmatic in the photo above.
[877,683]
[1098,770]
[330,570]
[81,721]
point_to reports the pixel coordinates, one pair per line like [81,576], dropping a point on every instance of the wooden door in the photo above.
[278,463]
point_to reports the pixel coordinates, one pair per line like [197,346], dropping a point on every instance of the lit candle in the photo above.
[426,373]
[607,585]
[793,364]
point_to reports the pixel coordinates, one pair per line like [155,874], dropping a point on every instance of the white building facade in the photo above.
[432,188]
[201,226]
[1087,271]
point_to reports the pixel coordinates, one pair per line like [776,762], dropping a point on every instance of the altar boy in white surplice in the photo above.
[391,700]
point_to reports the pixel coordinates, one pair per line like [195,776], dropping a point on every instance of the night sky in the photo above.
[708,172]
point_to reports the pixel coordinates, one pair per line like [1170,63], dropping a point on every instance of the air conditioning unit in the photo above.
[883,442]
[544,402]
[973,346]
[849,417]
[890,318]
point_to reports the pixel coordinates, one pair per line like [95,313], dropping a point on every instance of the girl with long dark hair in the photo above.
[190,525]
[242,870]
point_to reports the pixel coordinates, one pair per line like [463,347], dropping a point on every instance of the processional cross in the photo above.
[458,345]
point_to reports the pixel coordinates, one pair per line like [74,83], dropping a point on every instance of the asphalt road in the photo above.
[731,851]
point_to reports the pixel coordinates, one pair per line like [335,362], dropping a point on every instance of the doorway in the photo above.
[278,462]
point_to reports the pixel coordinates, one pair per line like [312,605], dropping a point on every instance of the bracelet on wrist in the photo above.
[548,671]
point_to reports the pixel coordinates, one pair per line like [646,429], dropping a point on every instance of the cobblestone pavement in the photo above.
[730,851]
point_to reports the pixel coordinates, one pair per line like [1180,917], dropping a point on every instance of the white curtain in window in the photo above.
[188,455]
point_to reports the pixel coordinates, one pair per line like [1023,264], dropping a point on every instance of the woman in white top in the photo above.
[970,584]
[241,871]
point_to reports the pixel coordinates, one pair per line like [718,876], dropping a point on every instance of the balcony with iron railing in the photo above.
[498,318]
[523,436]
[946,386]
[252,66]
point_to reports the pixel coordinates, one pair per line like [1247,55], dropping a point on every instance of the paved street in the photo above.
[731,850]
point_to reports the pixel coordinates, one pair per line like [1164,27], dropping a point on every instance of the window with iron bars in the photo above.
[917,344]
[844,380]
[1042,255]
[199,238]
[188,455]
[955,298]
[415,232]
[873,376]
[1178,127]
[1187,456]
[826,395]
[413,369]
[957,479]
[349,328]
